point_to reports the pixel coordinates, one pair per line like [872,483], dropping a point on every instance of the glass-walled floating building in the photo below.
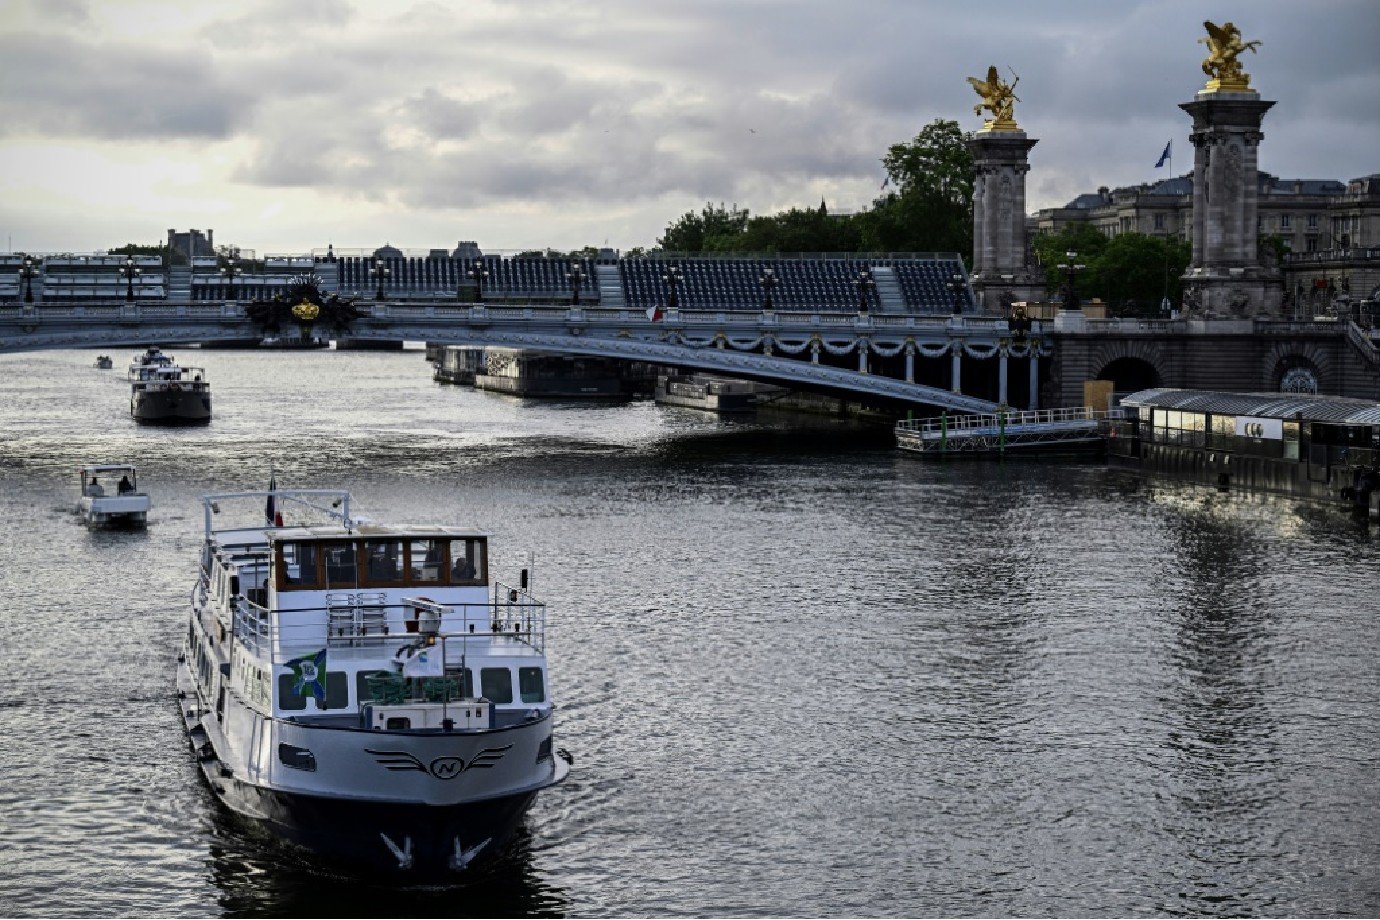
[1319,446]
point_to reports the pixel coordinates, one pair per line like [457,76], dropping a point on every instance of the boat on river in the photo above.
[104,362]
[164,393]
[116,503]
[363,691]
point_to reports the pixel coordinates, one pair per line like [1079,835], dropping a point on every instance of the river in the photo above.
[800,673]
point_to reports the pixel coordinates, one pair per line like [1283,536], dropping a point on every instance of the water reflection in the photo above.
[259,875]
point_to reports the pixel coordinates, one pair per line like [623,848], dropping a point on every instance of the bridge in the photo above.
[901,359]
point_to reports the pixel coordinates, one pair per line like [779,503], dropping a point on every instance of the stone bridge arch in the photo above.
[1131,365]
[1293,364]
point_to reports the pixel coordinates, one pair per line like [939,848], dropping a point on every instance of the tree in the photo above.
[931,207]
[1132,272]
[692,231]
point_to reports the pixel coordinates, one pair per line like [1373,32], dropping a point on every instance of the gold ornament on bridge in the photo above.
[1224,47]
[997,98]
[306,311]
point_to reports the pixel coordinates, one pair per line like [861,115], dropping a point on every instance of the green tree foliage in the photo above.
[692,231]
[930,206]
[796,230]
[1131,273]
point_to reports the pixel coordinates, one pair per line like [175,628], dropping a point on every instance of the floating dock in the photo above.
[1043,432]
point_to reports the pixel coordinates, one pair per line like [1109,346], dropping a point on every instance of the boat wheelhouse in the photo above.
[367,692]
[1323,447]
[164,393]
[117,502]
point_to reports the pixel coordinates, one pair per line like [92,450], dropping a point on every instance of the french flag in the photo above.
[654,313]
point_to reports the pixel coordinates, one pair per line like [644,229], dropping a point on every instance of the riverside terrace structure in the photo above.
[917,343]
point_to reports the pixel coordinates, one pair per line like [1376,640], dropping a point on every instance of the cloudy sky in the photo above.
[288,124]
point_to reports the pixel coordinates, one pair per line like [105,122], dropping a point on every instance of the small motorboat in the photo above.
[104,362]
[119,505]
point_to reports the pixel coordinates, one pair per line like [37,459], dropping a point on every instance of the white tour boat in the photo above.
[366,692]
[117,502]
[162,393]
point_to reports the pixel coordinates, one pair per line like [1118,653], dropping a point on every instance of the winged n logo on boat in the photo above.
[440,767]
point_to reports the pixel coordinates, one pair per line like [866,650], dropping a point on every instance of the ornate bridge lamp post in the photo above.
[959,290]
[768,282]
[1071,268]
[478,272]
[229,272]
[577,278]
[26,273]
[380,271]
[867,286]
[673,279]
[129,273]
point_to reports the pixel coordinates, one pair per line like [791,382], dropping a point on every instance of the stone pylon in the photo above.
[1001,269]
[1226,278]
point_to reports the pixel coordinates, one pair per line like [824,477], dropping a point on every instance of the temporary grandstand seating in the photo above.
[509,278]
[257,281]
[803,284]
[100,277]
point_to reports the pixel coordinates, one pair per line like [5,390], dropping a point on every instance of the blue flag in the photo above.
[309,675]
[1164,156]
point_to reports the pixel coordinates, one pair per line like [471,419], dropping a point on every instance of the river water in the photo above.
[801,674]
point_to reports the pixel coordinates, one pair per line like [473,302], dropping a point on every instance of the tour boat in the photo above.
[366,692]
[162,393]
[115,503]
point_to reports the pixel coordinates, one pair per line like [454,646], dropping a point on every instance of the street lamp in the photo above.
[27,273]
[576,277]
[1071,268]
[229,272]
[478,271]
[129,273]
[768,282]
[673,279]
[959,289]
[380,271]
[866,286]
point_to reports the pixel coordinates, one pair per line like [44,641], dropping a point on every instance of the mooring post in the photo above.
[1001,433]
[943,431]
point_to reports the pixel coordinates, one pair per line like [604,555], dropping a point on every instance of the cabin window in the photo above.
[496,684]
[467,562]
[426,562]
[341,568]
[1291,440]
[299,566]
[384,562]
[530,685]
[337,692]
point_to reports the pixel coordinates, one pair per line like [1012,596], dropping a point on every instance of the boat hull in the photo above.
[171,407]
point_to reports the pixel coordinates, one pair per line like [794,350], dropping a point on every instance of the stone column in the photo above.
[957,366]
[1001,376]
[1226,279]
[910,362]
[1034,402]
[999,238]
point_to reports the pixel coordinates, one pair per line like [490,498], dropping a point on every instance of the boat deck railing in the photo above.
[362,625]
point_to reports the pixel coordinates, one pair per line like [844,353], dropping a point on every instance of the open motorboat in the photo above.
[162,393]
[363,691]
[104,362]
[115,503]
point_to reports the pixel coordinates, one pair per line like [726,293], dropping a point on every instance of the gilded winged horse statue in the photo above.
[1224,47]
[997,98]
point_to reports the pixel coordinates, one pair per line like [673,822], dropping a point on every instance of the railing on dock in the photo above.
[995,432]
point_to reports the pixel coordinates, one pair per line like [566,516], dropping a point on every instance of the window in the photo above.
[1286,221]
[341,568]
[298,568]
[383,562]
[496,684]
[467,562]
[1159,221]
[530,685]
[426,562]
[1312,221]
[337,692]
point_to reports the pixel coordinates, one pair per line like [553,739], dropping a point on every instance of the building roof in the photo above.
[1088,201]
[1306,407]
[1179,185]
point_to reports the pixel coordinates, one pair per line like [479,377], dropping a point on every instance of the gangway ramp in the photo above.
[1045,431]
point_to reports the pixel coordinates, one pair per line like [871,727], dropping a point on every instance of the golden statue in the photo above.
[1224,47]
[997,98]
[306,311]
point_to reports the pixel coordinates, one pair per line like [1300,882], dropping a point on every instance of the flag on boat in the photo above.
[269,509]
[429,662]
[309,675]
[654,313]
[1164,157]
